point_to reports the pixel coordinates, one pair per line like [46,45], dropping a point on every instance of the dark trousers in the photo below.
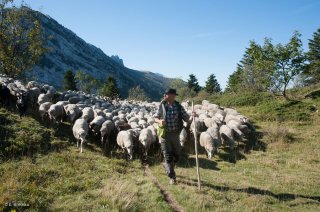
[171,148]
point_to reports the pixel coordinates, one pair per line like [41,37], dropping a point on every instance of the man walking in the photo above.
[170,116]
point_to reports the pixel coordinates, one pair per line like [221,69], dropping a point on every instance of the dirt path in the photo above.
[165,193]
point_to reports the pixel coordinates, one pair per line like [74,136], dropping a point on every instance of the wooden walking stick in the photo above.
[196,147]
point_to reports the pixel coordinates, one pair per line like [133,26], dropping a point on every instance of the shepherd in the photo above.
[170,117]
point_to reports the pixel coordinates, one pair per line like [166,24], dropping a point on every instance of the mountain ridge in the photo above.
[67,51]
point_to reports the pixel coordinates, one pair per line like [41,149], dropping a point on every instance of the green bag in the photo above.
[161,131]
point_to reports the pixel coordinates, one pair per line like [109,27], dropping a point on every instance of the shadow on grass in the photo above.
[190,162]
[248,190]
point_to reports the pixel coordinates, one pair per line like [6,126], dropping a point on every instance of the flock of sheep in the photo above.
[122,122]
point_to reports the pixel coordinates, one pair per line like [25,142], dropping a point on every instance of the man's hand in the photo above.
[193,114]
[162,122]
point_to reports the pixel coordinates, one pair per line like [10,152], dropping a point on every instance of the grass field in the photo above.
[281,173]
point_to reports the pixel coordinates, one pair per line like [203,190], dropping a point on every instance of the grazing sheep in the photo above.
[73,112]
[237,117]
[143,124]
[42,98]
[210,140]
[226,135]
[154,132]
[96,124]
[80,131]
[32,84]
[133,119]
[88,114]
[146,138]
[125,141]
[237,128]
[33,94]
[22,104]
[4,95]
[56,112]
[51,91]
[134,125]
[43,109]
[183,137]
[106,130]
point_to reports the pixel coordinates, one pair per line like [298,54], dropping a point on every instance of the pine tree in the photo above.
[313,69]
[69,81]
[193,83]
[110,88]
[212,85]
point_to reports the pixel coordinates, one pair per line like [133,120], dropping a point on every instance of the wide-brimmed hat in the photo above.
[171,91]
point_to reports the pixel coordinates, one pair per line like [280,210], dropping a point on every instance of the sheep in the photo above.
[154,132]
[4,95]
[43,109]
[210,140]
[80,131]
[42,98]
[96,123]
[73,112]
[88,114]
[146,138]
[142,123]
[237,117]
[74,99]
[125,141]
[106,129]
[227,136]
[33,94]
[56,112]
[51,91]
[183,136]
[133,119]
[239,128]
[32,84]
[22,104]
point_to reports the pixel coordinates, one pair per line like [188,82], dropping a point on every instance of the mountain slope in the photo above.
[67,51]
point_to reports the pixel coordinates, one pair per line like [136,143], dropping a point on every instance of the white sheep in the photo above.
[96,123]
[210,140]
[88,114]
[42,98]
[183,137]
[106,129]
[73,112]
[56,112]
[125,141]
[80,131]
[43,109]
[146,138]
[227,136]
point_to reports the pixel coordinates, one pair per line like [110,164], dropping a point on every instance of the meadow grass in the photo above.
[41,166]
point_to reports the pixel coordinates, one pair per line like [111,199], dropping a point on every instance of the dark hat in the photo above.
[171,91]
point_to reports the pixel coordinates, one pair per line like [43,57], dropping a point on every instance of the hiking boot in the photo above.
[172,181]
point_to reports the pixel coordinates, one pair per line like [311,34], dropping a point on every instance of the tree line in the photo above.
[274,68]
[80,81]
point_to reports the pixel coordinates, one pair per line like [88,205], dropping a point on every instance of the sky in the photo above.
[179,37]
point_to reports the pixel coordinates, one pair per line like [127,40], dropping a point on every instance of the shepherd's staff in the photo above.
[196,146]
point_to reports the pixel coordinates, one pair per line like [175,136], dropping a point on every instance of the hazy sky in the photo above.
[179,37]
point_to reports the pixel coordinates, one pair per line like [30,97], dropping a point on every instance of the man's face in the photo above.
[170,97]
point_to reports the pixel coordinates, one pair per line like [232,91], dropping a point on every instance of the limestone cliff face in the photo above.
[67,51]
